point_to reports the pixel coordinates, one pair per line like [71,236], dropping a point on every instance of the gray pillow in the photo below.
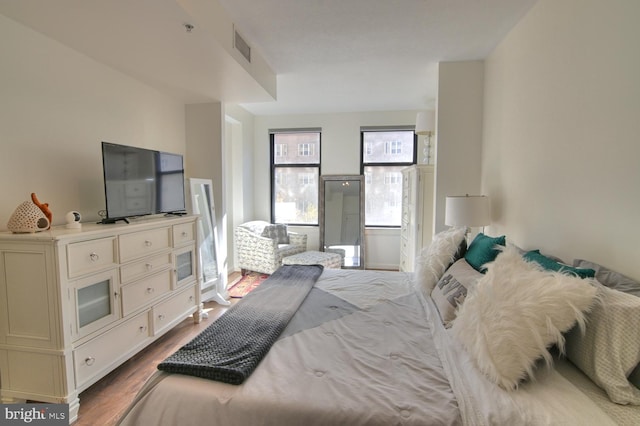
[634,377]
[451,289]
[609,350]
[617,281]
[610,278]
[276,232]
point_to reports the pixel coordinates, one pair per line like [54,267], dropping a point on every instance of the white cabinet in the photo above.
[417,213]
[75,304]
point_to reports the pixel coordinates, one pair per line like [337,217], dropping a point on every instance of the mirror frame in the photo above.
[212,289]
[321,212]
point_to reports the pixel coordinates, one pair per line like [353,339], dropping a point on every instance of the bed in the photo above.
[373,348]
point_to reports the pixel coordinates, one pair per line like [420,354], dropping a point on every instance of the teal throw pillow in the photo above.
[483,250]
[551,265]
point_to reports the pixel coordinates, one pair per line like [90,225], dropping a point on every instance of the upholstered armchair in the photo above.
[261,246]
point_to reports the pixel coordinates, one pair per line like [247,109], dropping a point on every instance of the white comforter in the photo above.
[364,349]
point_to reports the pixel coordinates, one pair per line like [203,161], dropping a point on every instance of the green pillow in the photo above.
[551,265]
[483,250]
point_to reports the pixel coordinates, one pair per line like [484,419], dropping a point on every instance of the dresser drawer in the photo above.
[93,357]
[149,265]
[177,307]
[184,233]
[90,256]
[139,244]
[144,292]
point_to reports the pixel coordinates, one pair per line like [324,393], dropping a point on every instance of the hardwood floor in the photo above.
[105,401]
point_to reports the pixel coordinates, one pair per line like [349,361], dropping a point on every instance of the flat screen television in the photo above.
[139,182]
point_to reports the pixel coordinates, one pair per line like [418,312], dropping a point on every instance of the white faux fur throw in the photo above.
[435,258]
[515,313]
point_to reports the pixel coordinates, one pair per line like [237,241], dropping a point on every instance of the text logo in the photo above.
[34,414]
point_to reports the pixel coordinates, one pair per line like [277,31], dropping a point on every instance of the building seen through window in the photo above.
[295,167]
[384,154]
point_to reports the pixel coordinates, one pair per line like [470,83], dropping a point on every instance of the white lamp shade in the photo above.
[425,122]
[467,210]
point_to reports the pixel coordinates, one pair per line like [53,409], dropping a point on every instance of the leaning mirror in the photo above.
[342,218]
[210,276]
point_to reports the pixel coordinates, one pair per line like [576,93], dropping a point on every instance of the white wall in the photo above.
[458,132]
[204,148]
[239,174]
[340,154]
[204,160]
[561,132]
[56,106]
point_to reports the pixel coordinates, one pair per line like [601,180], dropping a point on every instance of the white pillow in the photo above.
[515,312]
[452,288]
[435,258]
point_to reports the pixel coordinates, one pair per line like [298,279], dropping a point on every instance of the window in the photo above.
[306,179]
[368,148]
[306,149]
[295,171]
[392,178]
[385,152]
[281,150]
[393,147]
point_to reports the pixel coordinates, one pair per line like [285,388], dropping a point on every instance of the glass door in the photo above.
[95,300]
[185,265]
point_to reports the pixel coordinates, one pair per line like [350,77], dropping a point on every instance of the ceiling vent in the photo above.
[241,45]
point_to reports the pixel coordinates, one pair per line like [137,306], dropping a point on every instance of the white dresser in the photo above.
[75,304]
[417,213]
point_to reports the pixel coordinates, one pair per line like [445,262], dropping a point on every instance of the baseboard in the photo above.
[383,266]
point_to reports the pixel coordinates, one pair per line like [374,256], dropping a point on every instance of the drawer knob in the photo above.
[149,266]
[184,234]
[161,317]
[150,290]
[94,257]
[143,328]
[190,298]
[89,361]
[147,243]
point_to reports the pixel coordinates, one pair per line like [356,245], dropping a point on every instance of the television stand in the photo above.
[179,214]
[110,221]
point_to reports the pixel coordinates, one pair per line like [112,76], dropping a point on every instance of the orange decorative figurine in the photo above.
[42,206]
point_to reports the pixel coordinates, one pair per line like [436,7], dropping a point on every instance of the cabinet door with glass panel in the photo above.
[95,299]
[185,265]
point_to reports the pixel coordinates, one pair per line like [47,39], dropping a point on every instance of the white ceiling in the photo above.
[329,55]
[362,55]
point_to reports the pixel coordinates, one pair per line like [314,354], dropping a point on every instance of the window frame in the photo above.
[274,166]
[364,164]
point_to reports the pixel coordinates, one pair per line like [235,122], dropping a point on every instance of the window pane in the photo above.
[388,147]
[297,148]
[383,195]
[296,195]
